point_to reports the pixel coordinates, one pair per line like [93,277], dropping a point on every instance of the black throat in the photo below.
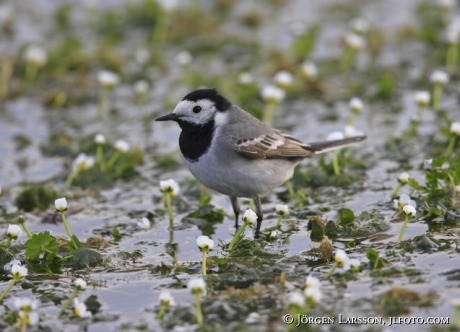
[195,140]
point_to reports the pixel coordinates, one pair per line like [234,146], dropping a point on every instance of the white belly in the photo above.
[241,177]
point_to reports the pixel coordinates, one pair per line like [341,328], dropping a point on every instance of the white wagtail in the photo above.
[233,153]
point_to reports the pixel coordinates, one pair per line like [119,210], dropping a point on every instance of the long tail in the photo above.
[325,146]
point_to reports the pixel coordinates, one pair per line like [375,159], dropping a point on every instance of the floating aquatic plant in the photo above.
[273,96]
[205,244]
[166,300]
[169,188]
[18,272]
[409,213]
[198,288]
[249,219]
[79,285]
[341,259]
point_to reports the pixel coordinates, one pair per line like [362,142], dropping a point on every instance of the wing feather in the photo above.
[281,145]
[275,145]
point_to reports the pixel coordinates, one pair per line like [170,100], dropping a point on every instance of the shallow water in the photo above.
[128,288]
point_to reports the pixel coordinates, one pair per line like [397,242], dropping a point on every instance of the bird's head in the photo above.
[199,108]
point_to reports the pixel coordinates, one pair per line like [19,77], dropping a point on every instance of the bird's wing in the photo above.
[280,145]
[275,145]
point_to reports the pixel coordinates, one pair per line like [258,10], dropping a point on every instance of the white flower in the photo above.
[309,70]
[14,231]
[7,266]
[169,5]
[312,282]
[61,204]
[142,56]
[341,257]
[439,77]
[80,284]
[122,146]
[335,135]
[353,264]
[282,209]
[18,272]
[422,98]
[99,139]
[354,41]
[273,234]
[253,318]
[26,304]
[205,243]
[409,210]
[184,58]
[273,94]
[250,217]
[455,128]
[35,55]
[313,294]
[197,286]
[428,164]
[31,318]
[359,25]
[283,78]
[350,131]
[144,223]
[166,299]
[296,299]
[404,177]
[403,201]
[141,87]
[169,186]
[356,105]
[82,162]
[80,309]
[245,78]
[108,79]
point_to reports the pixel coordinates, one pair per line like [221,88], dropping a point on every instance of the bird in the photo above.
[234,153]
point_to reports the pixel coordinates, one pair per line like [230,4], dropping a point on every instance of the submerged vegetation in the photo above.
[371,230]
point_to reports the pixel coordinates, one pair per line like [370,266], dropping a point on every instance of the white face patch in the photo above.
[185,110]
[221,119]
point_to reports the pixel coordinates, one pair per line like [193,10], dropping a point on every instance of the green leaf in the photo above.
[5,255]
[219,261]
[414,184]
[205,198]
[316,226]
[116,233]
[83,257]
[436,212]
[438,162]
[37,197]
[42,243]
[375,261]
[75,243]
[346,217]
[305,43]
[93,304]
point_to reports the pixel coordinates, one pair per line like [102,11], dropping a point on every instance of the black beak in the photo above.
[168,117]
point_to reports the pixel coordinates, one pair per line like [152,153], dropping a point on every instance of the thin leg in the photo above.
[260,214]
[236,209]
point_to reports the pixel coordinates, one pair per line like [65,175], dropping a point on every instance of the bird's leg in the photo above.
[236,209]
[259,212]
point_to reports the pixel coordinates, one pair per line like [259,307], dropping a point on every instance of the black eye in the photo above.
[197,109]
